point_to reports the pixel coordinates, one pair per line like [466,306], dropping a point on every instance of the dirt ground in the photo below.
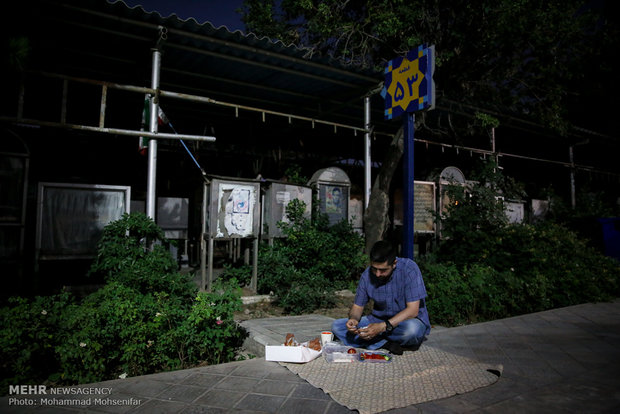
[267,309]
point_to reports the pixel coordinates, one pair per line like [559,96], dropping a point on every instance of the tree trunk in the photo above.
[376,217]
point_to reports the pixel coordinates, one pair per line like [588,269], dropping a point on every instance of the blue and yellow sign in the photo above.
[409,85]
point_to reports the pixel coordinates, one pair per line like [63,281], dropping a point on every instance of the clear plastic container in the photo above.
[375,356]
[335,352]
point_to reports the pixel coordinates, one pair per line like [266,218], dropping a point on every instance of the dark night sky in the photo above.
[217,12]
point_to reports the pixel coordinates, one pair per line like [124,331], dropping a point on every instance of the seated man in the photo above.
[399,317]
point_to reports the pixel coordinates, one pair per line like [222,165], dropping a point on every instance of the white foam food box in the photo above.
[281,353]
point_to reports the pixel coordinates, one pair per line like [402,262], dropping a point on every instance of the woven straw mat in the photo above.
[412,378]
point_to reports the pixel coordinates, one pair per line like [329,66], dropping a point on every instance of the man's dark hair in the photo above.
[382,251]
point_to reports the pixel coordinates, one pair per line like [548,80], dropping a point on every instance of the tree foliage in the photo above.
[496,60]
[525,56]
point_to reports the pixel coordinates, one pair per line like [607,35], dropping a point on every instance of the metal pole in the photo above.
[254,280]
[210,264]
[367,158]
[203,234]
[152,161]
[408,188]
[495,156]
[573,200]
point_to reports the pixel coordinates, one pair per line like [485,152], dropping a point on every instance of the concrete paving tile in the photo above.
[255,368]
[260,402]
[236,384]
[301,405]
[606,377]
[170,376]
[464,351]
[484,350]
[510,342]
[266,340]
[111,409]
[589,358]
[39,410]
[601,347]
[335,408]
[520,405]
[545,347]
[456,404]
[272,387]
[199,409]
[518,328]
[518,353]
[577,398]
[405,410]
[529,382]
[161,407]
[532,368]
[223,369]
[205,381]
[141,387]
[503,389]
[306,391]
[284,374]
[564,366]
[220,399]
[184,393]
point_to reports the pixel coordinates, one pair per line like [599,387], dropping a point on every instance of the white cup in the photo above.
[326,337]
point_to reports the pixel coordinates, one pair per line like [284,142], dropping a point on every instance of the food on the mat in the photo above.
[290,340]
[340,353]
[313,344]
[364,356]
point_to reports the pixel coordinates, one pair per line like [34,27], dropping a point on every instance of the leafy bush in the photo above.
[309,264]
[487,268]
[133,251]
[333,252]
[458,296]
[29,335]
[209,334]
[448,294]
[147,318]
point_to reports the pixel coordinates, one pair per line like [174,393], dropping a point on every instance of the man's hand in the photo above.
[371,330]
[352,325]
[355,314]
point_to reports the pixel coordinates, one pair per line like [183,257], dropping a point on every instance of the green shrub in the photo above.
[29,335]
[493,269]
[147,318]
[241,273]
[334,252]
[209,334]
[109,334]
[448,295]
[311,262]
[134,252]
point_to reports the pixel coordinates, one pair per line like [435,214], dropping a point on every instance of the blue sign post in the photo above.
[408,88]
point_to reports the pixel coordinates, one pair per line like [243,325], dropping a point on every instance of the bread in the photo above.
[315,344]
[290,340]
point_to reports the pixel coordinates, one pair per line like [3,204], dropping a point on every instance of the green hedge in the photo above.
[305,268]
[521,269]
[147,318]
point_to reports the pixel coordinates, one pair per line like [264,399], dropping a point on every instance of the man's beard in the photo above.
[379,281]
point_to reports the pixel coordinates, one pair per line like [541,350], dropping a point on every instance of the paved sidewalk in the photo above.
[560,361]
